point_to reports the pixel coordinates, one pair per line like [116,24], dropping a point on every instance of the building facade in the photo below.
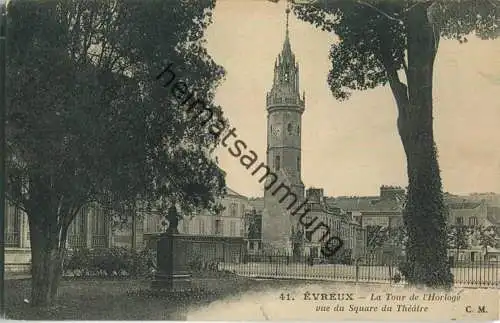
[373,213]
[341,225]
[469,214]
[230,222]
[90,229]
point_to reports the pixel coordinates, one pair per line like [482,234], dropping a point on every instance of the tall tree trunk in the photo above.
[425,213]
[47,255]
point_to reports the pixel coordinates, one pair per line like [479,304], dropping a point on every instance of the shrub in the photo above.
[77,262]
[112,262]
[405,268]
[196,265]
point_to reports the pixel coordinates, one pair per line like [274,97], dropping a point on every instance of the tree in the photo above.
[297,238]
[376,237]
[487,237]
[253,230]
[384,42]
[397,236]
[458,237]
[89,123]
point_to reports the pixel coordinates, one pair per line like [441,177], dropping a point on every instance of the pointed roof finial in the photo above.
[287,15]
[287,50]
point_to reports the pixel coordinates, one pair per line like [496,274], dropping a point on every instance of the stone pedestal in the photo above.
[173,271]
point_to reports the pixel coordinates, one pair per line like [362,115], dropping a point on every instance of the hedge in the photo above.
[109,262]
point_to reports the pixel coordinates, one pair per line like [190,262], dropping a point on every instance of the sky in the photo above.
[352,147]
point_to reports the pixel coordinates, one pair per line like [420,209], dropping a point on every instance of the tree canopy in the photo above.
[373,35]
[394,43]
[89,122]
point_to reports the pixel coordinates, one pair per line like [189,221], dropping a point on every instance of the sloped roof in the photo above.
[230,191]
[492,250]
[367,204]
[464,205]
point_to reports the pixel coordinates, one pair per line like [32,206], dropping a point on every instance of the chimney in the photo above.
[314,195]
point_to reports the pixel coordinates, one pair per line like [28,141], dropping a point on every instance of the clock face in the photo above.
[276,131]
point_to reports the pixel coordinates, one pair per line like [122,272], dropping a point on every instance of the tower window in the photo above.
[286,77]
[277,163]
[289,128]
[298,163]
[298,130]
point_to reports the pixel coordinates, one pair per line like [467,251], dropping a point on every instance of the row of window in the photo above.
[472,220]
[337,228]
[233,209]
[76,231]
[217,229]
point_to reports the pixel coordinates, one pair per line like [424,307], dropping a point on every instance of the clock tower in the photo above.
[284,115]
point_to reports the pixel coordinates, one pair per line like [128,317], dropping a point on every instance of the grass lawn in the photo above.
[127,299]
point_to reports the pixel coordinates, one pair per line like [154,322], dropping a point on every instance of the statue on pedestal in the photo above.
[173,218]
[173,273]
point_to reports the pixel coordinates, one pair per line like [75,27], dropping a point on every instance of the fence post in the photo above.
[223,251]
[356,262]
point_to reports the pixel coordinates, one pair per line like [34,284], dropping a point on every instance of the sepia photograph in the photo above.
[232,160]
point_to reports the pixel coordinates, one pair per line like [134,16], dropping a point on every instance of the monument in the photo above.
[173,270]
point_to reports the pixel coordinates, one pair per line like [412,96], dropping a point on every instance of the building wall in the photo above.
[90,229]
[384,219]
[212,225]
[340,225]
[229,223]
[469,216]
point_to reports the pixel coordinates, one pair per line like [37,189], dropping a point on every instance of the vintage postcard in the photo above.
[250,160]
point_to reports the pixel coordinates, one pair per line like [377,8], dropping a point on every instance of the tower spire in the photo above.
[287,11]
[287,50]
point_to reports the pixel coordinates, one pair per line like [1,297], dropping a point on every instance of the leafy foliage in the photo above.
[88,121]
[111,262]
[373,34]
[487,236]
[376,236]
[398,236]
[106,130]
[254,223]
[298,238]
[387,238]
[384,42]
[459,236]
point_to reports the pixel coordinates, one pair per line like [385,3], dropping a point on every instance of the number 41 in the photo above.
[285,297]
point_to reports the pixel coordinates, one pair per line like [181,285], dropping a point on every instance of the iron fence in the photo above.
[12,239]
[99,241]
[77,241]
[366,269]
